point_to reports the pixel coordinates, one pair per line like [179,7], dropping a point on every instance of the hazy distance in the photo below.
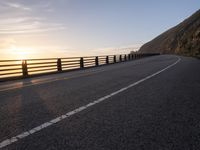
[62,28]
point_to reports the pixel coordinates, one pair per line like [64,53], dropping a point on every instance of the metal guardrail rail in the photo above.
[15,69]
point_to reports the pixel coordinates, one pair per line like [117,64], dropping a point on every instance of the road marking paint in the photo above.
[77,110]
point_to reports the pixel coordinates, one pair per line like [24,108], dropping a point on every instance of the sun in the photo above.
[21,52]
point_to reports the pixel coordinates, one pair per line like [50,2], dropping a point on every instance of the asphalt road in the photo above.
[146,104]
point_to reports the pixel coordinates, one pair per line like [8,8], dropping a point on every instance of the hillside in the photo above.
[182,39]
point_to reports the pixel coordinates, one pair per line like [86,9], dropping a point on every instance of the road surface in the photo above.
[149,104]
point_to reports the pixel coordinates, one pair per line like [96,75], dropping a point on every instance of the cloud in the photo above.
[6,43]
[28,25]
[18,6]
[18,21]
[117,50]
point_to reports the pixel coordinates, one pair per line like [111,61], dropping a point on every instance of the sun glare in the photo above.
[20,52]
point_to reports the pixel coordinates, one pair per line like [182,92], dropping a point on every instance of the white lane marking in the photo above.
[62,117]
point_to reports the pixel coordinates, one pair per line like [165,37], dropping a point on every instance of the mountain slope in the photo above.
[182,39]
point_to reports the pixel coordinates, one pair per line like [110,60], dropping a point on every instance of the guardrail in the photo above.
[14,69]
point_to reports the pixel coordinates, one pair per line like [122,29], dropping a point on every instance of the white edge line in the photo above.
[77,110]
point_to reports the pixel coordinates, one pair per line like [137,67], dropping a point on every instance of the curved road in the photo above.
[151,103]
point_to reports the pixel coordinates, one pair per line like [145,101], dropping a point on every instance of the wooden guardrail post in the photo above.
[59,65]
[107,60]
[129,57]
[96,61]
[81,62]
[120,57]
[125,58]
[114,59]
[24,68]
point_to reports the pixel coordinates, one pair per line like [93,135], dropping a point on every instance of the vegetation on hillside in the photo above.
[182,39]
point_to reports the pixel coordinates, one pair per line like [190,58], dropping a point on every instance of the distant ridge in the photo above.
[182,39]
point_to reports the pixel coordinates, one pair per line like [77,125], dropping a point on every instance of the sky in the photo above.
[63,28]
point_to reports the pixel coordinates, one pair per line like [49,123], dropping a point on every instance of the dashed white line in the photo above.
[62,117]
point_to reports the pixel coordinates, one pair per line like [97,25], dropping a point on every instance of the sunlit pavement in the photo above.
[161,112]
